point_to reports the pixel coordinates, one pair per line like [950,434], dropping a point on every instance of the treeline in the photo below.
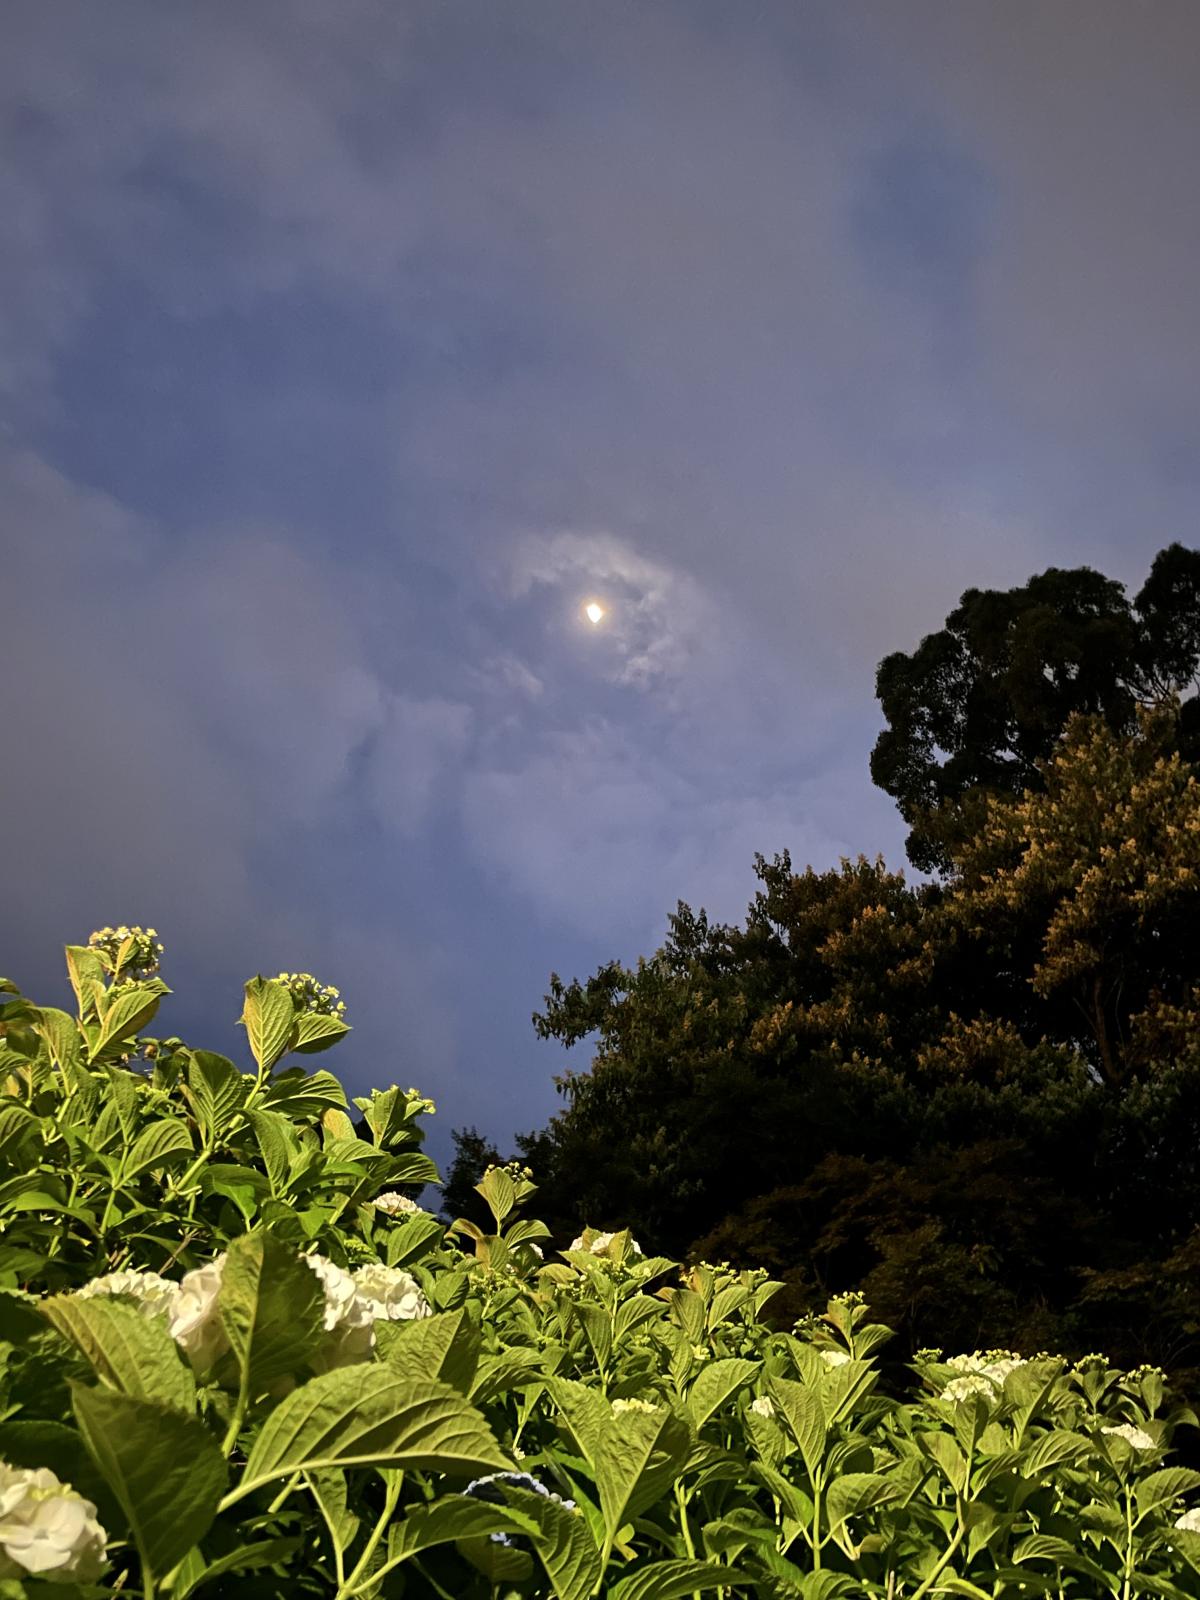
[975,1098]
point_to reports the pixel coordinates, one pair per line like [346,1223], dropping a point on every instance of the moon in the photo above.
[594,612]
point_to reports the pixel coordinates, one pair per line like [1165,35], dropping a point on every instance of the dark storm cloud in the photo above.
[346,350]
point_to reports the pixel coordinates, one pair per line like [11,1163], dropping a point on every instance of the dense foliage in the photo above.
[237,1358]
[980,704]
[970,1098]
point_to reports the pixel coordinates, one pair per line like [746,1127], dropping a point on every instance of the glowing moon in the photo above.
[594,612]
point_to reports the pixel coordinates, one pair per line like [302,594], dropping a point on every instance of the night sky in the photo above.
[347,348]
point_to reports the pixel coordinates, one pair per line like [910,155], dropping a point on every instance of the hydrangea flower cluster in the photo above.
[763,1406]
[834,1358]
[394,1204]
[153,1294]
[354,1302]
[1189,1521]
[601,1244]
[131,954]
[46,1529]
[310,995]
[1137,1437]
[619,1406]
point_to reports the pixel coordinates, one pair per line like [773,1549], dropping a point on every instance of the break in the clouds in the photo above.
[345,352]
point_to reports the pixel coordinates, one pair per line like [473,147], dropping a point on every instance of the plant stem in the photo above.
[947,1554]
[390,1500]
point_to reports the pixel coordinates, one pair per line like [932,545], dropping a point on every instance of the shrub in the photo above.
[236,1355]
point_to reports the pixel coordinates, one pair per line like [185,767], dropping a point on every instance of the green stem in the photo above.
[390,1500]
[947,1554]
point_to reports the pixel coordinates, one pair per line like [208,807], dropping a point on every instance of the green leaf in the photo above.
[371,1416]
[61,1034]
[315,1031]
[1052,1450]
[271,1307]
[1160,1488]
[128,1011]
[637,1461]
[246,1558]
[328,1489]
[216,1090]
[156,1146]
[267,1017]
[597,1328]
[941,1448]
[86,972]
[563,1542]
[164,1468]
[673,1580]
[1044,1547]
[587,1414]
[445,1346]
[129,1352]
[856,1492]
[798,1405]
[716,1382]
[302,1094]
[445,1521]
[277,1142]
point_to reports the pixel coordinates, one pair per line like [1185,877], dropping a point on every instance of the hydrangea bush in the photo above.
[237,1357]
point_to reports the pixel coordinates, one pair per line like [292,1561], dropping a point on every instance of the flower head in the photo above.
[834,1358]
[1137,1437]
[391,1294]
[485,1488]
[619,1406]
[763,1406]
[972,1383]
[310,995]
[1190,1520]
[394,1204]
[46,1529]
[195,1321]
[154,1295]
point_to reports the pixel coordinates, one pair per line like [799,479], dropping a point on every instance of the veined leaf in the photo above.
[445,1521]
[718,1380]
[129,1352]
[445,1346]
[196,1570]
[637,1461]
[271,1307]
[798,1405]
[164,1468]
[277,1142]
[314,1031]
[127,1011]
[267,1017]
[371,1416]
[216,1090]
[157,1145]
[856,1492]
[673,1580]
[1160,1488]
[1052,1449]
[562,1540]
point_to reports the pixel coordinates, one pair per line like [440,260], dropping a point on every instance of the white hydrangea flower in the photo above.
[972,1383]
[602,1242]
[395,1204]
[763,1406]
[391,1294]
[633,1405]
[996,1364]
[347,1314]
[834,1358]
[971,1363]
[46,1529]
[155,1295]
[1137,1437]
[195,1322]
[1190,1520]
[999,1370]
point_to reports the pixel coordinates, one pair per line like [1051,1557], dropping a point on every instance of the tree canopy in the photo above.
[966,1096]
[982,702]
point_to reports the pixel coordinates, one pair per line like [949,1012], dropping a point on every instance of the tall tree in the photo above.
[979,704]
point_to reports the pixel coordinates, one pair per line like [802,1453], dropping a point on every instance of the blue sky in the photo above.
[345,350]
